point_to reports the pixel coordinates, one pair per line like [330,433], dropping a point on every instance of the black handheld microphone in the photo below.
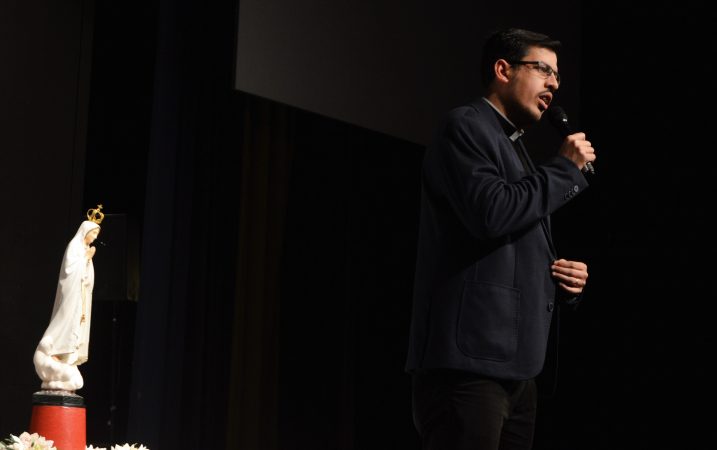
[559,119]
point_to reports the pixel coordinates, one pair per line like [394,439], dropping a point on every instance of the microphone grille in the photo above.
[557,114]
[559,119]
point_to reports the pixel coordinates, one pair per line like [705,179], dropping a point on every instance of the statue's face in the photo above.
[91,235]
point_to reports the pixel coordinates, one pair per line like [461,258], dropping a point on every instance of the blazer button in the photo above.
[576,188]
[551,305]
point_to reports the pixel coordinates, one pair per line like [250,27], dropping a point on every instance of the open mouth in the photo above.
[545,101]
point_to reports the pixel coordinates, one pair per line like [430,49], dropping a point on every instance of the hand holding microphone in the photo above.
[559,119]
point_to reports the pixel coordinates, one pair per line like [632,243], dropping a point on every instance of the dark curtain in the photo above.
[324,272]
[266,151]
[178,396]
[346,286]
[277,263]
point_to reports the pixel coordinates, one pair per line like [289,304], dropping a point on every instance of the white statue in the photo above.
[65,343]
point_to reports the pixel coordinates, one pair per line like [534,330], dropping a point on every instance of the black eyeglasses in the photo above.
[545,70]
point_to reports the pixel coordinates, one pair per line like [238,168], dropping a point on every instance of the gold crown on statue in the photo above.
[95,214]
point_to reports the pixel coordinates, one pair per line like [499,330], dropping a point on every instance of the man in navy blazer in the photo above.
[488,277]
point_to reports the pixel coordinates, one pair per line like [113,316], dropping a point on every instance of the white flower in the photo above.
[34,441]
[27,441]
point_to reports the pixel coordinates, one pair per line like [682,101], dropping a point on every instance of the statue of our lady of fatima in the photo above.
[64,345]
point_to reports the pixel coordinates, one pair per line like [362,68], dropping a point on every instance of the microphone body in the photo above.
[559,119]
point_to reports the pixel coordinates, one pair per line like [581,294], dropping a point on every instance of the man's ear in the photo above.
[502,70]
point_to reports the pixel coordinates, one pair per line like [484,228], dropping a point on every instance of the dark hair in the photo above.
[511,44]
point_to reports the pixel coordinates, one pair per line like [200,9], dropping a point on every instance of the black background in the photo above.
[635,357]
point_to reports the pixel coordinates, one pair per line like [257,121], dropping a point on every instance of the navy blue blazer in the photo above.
[483,294]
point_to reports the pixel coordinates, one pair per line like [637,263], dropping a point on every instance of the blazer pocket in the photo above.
[488,321]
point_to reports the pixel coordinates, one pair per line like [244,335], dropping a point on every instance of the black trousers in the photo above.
[455,410]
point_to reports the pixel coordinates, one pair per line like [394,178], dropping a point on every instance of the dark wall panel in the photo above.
[44,49]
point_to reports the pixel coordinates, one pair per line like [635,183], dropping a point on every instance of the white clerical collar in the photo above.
[518,132]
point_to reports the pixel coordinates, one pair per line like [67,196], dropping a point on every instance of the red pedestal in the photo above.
[60,418]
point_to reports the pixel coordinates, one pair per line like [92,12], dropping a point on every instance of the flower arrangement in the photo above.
[27,441]
[34,441]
